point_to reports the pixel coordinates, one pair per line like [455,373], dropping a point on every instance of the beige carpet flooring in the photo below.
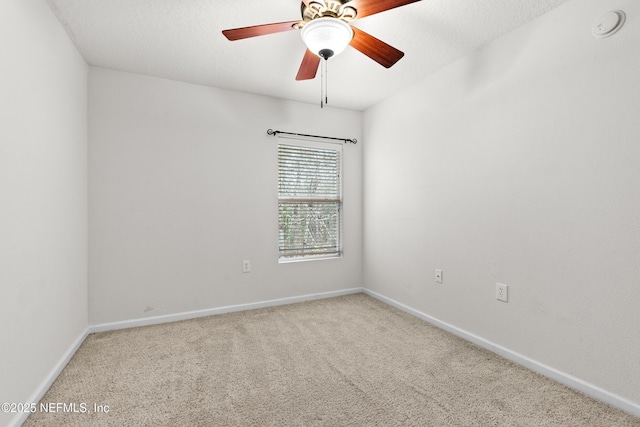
[346,361]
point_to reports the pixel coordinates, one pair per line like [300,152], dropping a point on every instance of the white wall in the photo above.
[183,187]
[521,165]
[43,197]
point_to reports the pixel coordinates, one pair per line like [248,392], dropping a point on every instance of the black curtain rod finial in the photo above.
[272,132]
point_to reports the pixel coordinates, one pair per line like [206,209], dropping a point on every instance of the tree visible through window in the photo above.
[309,201]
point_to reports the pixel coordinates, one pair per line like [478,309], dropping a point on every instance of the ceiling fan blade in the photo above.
[309,66]
[259,30]
[384,54]
[371,7]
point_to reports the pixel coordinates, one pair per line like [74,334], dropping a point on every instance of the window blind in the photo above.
[309,201]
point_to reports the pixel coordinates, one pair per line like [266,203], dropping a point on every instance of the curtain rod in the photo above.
[276,132]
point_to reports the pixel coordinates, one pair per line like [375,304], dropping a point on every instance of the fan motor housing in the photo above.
[328,8]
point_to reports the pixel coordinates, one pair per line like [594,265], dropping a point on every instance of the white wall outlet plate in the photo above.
[246,266]
[502,292]
[438,276]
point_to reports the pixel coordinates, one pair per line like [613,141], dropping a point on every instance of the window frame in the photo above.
[337,200]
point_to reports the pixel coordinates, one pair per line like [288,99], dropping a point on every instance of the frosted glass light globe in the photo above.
[327,33]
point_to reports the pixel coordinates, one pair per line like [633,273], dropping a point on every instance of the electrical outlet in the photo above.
[502,292]
[438,276]
[246,266]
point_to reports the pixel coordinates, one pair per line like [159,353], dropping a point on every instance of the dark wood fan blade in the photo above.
[309,66]
[375,49]
[371,7]
[259,30]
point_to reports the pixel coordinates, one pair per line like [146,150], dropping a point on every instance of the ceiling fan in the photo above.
[326,31]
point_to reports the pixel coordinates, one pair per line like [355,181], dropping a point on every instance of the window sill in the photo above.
[305,259]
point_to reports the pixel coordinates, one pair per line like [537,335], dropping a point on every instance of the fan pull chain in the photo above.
[323,83]
[324,54]
[326,80]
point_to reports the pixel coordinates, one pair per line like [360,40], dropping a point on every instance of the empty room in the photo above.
[320,213]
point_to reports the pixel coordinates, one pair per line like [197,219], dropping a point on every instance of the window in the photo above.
[309,201]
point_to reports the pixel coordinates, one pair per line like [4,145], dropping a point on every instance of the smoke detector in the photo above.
[608,24]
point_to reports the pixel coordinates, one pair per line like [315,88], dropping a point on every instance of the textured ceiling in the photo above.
[182,40]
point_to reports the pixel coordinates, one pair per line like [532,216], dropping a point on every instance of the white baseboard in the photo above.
[559,376]
[146,321]
[44,386]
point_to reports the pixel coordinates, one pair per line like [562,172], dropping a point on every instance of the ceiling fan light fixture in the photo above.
[326,34]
